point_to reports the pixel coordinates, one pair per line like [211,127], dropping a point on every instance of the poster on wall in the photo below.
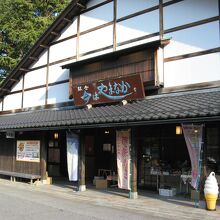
[193,137]
[72,141]
[123,158]
[28,150]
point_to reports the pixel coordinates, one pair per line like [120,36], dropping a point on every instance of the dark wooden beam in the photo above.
[193,24]
[171,2]
[114,25]
[43,163]
[67,20]
[22,96]
[97,6]
[133,192]
[82,181]
[55,33]
[33,58]
[81,5]
[161,18]
[61,61]
[138,13]
[38,67]
[23,69]
[47,76]
[138,39]
[5,90]
[97,28]
[77,38]
[165,42]
[14,80]
[71,86]
[44,46]
[184,56]
[64,39]
[96,51]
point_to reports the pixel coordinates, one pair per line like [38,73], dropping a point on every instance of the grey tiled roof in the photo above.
[179,106]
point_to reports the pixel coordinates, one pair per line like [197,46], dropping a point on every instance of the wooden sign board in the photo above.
[113,90]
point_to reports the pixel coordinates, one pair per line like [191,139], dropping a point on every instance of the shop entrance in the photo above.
[56,154]
[100,152]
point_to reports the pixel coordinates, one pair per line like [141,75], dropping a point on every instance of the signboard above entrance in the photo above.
[113,90]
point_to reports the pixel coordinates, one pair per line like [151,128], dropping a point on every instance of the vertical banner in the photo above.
[72,141]
[193,138]
[123,158]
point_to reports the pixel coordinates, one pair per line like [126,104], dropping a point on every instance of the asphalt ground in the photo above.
[61,201]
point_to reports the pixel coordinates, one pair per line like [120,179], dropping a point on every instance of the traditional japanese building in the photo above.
[105,67]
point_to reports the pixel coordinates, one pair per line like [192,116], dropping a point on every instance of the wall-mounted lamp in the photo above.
[106,132]
[89,106]
[196,131]
[179,130]
[56,135]
[124,102]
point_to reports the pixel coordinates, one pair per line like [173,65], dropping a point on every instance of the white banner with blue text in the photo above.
[72,141]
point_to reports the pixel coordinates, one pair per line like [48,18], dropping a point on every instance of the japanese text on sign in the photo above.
[128,88]
[115,91]
[28,151]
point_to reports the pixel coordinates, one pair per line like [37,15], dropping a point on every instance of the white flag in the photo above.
[72,141]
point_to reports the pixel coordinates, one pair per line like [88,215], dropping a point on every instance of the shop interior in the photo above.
[56,154]
[159,150]
[100,156]
[162,156]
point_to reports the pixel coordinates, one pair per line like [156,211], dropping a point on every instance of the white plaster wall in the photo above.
[202,37]
[12,101]
[17,86]
[34,97]
[192,70]
[56,73]
[96,39]
[69,31]
[35,78]
[67,62]
[138,26]
[188,11]
[42,60]
[63,50]
[181,72]
[126,7]
[96,17]
[0,106]
[136,43]
[160,66]
[58,93]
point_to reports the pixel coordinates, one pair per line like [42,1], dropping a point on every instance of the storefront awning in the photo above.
[196,106]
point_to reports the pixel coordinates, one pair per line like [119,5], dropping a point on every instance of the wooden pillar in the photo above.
[14,144]
[133,192]
[43,159]
[82,182]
